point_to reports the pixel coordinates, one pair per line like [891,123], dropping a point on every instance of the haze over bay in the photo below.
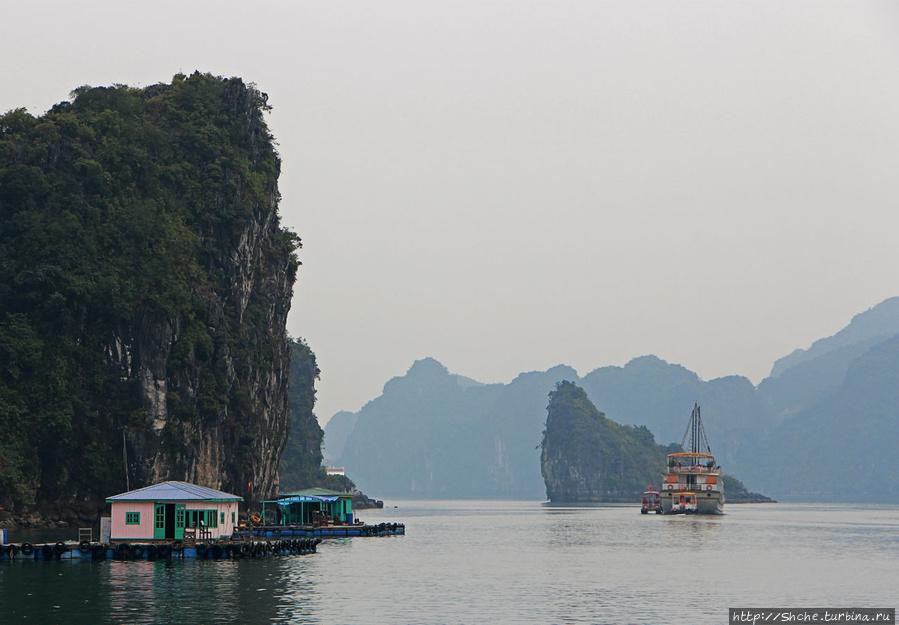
[506,187]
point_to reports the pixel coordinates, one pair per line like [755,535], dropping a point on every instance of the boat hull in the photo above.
[706,503]
[710,505]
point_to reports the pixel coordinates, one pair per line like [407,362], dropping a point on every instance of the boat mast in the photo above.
[696,433]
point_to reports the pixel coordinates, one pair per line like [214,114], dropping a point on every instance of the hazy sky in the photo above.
[506,186]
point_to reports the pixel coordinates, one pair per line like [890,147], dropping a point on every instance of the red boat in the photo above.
[652,502]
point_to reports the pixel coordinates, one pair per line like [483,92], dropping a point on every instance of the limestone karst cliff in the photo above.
[587,457]
[145,282]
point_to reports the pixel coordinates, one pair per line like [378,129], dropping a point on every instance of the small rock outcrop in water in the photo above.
[736,492]
[361,501]
[145,282]
[587,457]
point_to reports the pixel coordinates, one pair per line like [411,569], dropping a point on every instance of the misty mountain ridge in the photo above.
[843,447]
[799,380]
[870,327]
[436,434]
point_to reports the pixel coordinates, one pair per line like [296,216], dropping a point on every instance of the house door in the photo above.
[159,522]
[179,521]
[168,521]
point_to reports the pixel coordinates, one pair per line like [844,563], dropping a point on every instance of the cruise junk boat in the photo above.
[692,483]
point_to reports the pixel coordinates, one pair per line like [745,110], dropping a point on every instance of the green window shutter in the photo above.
[132,518]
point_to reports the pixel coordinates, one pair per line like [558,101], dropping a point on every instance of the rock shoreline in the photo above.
[362,501]
[750,498]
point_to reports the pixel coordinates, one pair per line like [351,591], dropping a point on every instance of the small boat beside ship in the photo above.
[683,503]
[693,482]
[652,501]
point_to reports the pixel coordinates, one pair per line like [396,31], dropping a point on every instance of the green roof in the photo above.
[315,492]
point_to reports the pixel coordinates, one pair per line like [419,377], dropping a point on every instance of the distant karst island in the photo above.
[434,434]
[589,458]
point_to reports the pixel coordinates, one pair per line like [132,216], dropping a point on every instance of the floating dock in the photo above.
[326,531]
[255,542]
[177,550]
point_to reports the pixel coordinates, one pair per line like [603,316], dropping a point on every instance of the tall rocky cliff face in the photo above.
[301,462]
[145,282]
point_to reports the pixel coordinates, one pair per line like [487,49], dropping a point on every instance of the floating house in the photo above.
[184,521]
[169,510]
[313,506]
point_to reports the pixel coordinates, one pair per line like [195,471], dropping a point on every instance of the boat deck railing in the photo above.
[694,468]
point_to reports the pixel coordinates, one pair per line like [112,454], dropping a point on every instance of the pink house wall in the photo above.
[143,531]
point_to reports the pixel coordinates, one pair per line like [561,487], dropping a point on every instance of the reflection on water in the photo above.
[163,592]
[512,561]
[145,592]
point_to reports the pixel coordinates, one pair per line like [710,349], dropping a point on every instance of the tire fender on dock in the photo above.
[122,551]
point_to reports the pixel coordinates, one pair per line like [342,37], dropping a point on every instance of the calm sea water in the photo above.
[499,562]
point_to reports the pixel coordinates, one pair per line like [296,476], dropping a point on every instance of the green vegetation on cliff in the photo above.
[144,287]
[301,462]
[587,457]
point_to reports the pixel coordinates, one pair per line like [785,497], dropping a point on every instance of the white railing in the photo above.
[694,469]
[693,488]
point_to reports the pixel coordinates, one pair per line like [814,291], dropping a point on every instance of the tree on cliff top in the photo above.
[144,287]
